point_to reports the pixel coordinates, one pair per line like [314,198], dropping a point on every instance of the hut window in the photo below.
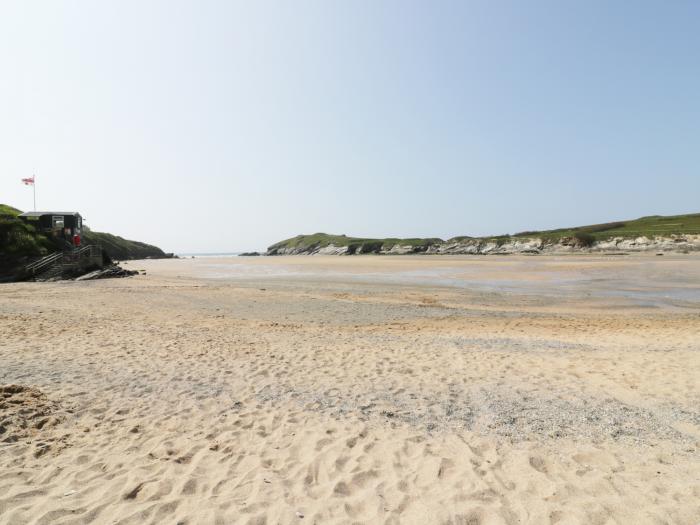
[57,222]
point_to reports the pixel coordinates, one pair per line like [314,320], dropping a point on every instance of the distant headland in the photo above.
[676,233]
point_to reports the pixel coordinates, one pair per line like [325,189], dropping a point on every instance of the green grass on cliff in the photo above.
[119,248]
[321,240]
[652,226]
[19,239]
[9,210]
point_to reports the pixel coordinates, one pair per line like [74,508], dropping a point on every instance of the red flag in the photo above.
[29,181]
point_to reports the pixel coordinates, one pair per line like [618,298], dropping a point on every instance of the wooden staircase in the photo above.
[58,263]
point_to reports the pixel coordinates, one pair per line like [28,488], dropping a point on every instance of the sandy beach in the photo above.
[329,390]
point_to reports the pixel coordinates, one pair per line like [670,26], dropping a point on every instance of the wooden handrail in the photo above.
[46,261]
[90,250]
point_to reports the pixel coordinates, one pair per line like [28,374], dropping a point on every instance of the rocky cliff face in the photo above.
[515,246]
[309,250]
[679,243]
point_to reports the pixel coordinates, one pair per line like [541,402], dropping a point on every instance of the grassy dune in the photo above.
[651,226]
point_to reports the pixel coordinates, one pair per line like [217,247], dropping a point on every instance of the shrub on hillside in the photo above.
[584,239]
[19,238]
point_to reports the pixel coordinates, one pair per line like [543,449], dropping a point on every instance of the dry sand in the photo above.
[321,390]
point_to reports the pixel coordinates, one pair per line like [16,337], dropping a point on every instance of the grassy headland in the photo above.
[121,249]
[650,227]
[19,240]
[354,244]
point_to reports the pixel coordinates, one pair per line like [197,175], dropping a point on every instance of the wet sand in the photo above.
[355,390]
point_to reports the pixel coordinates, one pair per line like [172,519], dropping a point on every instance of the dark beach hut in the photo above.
[66,225]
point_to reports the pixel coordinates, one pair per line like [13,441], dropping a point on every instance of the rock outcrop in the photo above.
[510,246]
[331,249]
[675,243]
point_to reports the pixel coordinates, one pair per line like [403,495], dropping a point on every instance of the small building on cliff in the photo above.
[67,225]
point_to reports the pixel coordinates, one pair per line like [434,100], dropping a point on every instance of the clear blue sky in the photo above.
[219,126]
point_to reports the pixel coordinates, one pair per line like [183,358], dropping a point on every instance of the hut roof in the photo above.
[42,213]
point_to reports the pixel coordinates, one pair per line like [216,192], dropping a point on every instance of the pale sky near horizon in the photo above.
[208,126]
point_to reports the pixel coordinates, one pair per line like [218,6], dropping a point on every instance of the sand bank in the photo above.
[355,390]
